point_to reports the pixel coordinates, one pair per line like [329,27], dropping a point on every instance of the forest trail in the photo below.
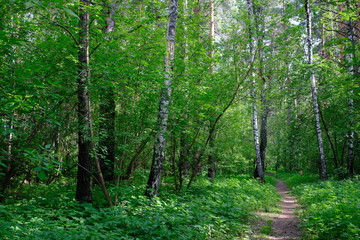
[284,225]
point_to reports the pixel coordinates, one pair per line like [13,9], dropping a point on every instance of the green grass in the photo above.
[331,208]
[217,210]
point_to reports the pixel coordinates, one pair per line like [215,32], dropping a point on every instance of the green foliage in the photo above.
[332,209]
[217,210]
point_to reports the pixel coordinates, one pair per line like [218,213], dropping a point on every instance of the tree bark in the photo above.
[353,71]
[260,26]
[258,165]
[153,183]
[83,187]
[184,164]
[9,167]
[323,174]
[211,159]
[263,129]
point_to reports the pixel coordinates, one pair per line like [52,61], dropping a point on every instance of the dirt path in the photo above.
[285,225]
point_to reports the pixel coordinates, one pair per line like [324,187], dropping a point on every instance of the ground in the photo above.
[283,225]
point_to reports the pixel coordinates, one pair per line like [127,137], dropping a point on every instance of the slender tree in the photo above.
[352,37]
[83,187]
[211,158]
[252,42]
[314,91]
[260,30]
[153,183]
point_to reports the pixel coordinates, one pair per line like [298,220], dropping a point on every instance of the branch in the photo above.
[229,104]
[94,49]
[68,31]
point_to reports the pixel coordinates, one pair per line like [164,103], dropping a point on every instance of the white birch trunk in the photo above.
[253,95]
[314,93]
[153,183]
[351,57]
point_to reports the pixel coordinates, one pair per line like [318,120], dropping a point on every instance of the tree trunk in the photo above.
[323,174]
[183,158]
[211,159]
[132,165]
[8,168]
[83,187]
[353,71]
[263,130]
[260,23]
[153,183]
[258,164]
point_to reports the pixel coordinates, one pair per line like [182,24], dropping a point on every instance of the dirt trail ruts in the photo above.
[285,225]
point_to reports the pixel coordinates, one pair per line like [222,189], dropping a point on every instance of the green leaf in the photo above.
[70,12]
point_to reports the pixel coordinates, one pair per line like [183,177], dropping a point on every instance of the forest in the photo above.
[179,119]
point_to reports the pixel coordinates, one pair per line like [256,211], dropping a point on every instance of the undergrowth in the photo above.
[331,208]
[217,210]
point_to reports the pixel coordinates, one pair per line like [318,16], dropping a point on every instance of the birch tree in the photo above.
[314,91]
[153,183]
[352,37]
[252,42]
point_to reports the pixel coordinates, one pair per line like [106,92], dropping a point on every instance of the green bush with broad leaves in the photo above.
[331,208]
[208,210]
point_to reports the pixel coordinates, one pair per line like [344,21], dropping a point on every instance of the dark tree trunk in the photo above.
[83,187]
[8,169]
[183,158]
[211,159]
[152,186]
[333,149]
[132,165]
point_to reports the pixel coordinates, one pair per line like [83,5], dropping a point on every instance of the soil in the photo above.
[284,225]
